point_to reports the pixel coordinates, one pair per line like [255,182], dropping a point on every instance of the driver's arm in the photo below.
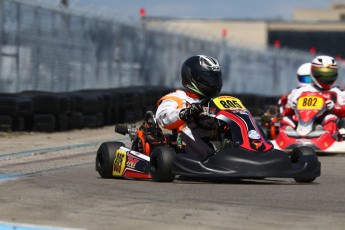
[291,102]
[167,114]
[289,108]
[339,108]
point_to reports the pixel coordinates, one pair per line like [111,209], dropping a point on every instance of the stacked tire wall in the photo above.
[40,111]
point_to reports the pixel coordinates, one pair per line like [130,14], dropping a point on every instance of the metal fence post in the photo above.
[36,60]
[1,39]
[18,41]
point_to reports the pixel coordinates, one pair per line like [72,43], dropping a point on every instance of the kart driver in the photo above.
[303,78]
[324,72]
[274,114]
[202,79]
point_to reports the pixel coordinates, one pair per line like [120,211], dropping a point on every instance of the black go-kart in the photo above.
[241,151]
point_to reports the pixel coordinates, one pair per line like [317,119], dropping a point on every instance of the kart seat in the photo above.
[223,144]
[217,145]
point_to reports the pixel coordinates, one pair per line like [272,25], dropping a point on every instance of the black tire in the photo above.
[86,103]
[64,103]
[301,155]
[43,102]
[9,106]
[6,123]
[25,107]
[43,123]
[18,124]
[76,121]
[105,158]
[107,117]
[99,119]
[161,164]
[90,121]
[61,122]
[129,116]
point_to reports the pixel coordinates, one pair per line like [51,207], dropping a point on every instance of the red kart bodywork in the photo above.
[310,109]
[131,164]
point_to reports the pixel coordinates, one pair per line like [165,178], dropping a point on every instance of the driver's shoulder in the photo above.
[309,87]
[337,89]
[300,90]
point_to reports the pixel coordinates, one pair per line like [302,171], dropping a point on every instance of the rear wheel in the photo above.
[302,155]
[105,158]
[161,164]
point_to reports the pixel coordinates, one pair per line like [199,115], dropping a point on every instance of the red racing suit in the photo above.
[329,120]
[282,102]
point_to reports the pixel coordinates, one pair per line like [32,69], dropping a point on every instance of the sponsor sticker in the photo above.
[257,144]
[131,162]
[253,134]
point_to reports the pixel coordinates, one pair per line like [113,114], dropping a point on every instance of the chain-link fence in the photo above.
[56,49]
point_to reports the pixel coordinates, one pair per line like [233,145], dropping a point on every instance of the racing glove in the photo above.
[329,105]
[191,112]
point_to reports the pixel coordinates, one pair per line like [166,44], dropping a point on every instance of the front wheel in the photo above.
[305,155]
[161,164]
[105,158]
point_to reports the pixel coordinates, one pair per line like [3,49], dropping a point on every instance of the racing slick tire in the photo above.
[161,164]
[301,155]
[105,158]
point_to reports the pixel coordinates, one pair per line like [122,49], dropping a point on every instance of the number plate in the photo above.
[228,103]
[310,102]
[119,163]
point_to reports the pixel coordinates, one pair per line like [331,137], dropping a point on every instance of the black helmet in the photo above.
[202,75]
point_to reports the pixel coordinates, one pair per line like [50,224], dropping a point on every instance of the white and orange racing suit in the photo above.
[167,116]
[334,96]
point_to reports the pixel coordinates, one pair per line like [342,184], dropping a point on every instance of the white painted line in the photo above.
[17,226]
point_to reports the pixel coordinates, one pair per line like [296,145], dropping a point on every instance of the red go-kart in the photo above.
[310,108]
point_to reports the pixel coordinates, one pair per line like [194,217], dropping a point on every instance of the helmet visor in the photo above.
[304,78]
[212,79]
[325,74]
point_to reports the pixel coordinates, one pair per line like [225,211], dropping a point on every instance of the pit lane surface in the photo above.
[48,183]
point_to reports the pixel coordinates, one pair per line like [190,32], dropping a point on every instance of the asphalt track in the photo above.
[58,188]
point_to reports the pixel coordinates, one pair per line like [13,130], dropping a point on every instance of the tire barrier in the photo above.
[40,111]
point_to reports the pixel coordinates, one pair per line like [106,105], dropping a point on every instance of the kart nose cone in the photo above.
[303,130]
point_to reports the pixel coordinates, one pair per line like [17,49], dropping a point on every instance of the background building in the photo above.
[310,30]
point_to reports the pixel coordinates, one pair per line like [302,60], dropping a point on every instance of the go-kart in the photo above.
[270,122]
[310,108]
[241,151]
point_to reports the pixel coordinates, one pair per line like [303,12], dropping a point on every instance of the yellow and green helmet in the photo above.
[324,71]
